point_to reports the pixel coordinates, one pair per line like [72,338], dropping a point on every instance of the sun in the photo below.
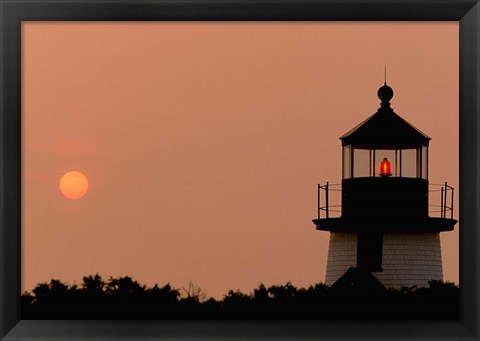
[73,185]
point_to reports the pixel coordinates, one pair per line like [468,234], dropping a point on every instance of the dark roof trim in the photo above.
[385,130]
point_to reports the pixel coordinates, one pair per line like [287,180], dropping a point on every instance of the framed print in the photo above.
[239,169]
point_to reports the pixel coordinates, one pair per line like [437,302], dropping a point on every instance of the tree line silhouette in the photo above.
[125,298]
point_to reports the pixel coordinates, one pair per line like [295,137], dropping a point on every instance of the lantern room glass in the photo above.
[365,162]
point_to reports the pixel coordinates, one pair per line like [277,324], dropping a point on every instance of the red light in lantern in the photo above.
[385,167]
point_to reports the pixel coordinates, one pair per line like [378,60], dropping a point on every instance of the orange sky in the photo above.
[203,142]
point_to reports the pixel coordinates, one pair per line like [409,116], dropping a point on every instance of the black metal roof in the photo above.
[385,129]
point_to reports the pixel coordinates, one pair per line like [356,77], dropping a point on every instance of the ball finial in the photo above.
[385,93]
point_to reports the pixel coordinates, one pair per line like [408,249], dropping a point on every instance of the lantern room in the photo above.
[385,145]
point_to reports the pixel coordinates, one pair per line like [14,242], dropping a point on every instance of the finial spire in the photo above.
[385,93]
[385,74]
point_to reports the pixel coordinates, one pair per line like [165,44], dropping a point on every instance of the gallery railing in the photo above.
[445,194]
[330,199]
[328,210]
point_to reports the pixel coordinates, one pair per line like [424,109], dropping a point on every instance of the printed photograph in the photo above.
[240,170]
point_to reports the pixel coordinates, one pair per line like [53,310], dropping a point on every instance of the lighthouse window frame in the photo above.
[347,162]
[362,167]
[424,163]
[408,165]
[365,162]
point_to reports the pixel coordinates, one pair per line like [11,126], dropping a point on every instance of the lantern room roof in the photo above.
[385,129]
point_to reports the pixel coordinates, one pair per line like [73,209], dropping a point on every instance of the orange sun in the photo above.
[74,185]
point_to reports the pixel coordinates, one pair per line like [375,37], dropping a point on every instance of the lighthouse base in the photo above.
[408,259]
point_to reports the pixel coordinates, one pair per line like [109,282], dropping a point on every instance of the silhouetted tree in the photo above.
[165,294]
[125,298]
[125,287]
[194,293]
[261,294]
[53,290]
[93,286]
[284,293]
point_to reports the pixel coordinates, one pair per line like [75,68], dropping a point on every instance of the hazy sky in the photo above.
[203,142]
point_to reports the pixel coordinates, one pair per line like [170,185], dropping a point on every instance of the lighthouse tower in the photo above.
[391,217]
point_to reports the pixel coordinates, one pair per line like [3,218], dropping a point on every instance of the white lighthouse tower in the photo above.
[385,227]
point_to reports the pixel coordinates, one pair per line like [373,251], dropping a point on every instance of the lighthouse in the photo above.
[388,218]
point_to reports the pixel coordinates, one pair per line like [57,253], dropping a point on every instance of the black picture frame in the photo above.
[13,12]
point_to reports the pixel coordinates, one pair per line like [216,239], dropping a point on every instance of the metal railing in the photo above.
[446,194]
[327,207]
[327,210]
